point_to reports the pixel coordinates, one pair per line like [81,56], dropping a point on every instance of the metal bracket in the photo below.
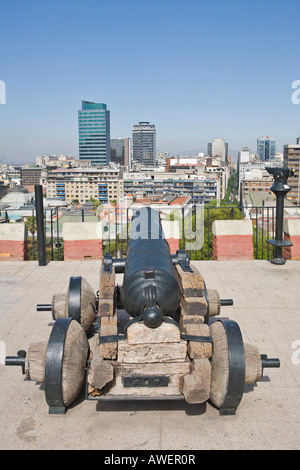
[107,263]
[236,379]
[206,318]
[53,366]
[146,381]
[74,298]
[111,338]
[183,260]
[200,339]
[119,265]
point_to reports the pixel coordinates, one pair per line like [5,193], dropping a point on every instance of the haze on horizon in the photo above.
[194,69]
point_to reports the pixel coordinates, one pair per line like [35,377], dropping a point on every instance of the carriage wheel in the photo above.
[79,303]
[227,366]
[65,364]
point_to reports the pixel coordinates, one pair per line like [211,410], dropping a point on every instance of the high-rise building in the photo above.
[266,148]
[144,143]
[218,148]
[244,155]
[94,133]
[30,176]
[120,151]
[291,156]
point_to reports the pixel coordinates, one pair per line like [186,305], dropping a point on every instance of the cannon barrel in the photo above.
[150,287]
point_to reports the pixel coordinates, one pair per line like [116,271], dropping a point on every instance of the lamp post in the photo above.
[280,188]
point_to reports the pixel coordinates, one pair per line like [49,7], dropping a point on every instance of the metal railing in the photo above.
[116,228]
[263,220]
[53,225]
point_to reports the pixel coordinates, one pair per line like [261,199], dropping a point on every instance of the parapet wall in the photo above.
[13,242]
[232,240]
[291,230]
[82,240]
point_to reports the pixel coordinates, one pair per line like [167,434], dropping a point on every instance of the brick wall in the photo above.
[82,249]
[82,240]
[13,242]
[232,240]
[291,229]
[171,233]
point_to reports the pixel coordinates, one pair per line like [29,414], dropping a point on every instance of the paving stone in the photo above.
[267,309]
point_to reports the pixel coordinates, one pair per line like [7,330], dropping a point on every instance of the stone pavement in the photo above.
[267,309]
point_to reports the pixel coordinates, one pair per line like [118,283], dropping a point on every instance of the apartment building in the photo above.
[30,176]
[201,189]
[80,184]
[60,161]
[291,155]
[204,167]
[262,183]
[254,176]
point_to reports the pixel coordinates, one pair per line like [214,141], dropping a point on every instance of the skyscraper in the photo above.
[120,151]
[266,148]
[144,143]
[218,148]
[94,133]
[244,155]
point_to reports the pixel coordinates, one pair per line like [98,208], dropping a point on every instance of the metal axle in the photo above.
[226,302]
[18,360]
[44,308]
[268,363]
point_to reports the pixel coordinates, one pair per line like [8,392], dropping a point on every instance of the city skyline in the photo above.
[206,73]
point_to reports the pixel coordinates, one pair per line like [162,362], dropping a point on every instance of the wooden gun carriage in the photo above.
[153,337]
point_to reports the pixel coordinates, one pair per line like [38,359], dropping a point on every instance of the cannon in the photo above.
[156,336]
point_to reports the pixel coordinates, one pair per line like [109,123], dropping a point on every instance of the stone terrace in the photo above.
[267,309]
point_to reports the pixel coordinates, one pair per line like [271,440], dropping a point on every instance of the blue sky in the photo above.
[195,69]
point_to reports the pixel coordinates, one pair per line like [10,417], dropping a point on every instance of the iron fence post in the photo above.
[40,224]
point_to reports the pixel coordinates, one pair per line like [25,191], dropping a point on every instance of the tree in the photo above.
[232,188]
[261,248]
[96,202]
[31,224]
[211,213]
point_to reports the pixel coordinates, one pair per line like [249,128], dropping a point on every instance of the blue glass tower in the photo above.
[94,133]
[266,148]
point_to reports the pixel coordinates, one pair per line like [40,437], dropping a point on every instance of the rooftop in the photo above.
[266,307]
[162,200]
